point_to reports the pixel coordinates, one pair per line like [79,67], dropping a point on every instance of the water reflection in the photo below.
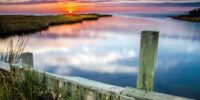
[107,50]
[126,25]
[82,54]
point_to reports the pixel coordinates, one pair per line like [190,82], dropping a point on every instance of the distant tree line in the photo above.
[195,12]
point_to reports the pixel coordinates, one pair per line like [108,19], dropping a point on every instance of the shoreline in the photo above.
[186,18]
[190,16]
[11,25]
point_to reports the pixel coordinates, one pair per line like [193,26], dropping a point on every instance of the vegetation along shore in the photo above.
[192,16]
[24,24]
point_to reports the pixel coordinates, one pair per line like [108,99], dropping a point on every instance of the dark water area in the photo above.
[107,50]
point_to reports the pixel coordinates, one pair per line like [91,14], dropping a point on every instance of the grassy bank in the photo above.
[31,87]
[21,24]
[192,16]
[186,18]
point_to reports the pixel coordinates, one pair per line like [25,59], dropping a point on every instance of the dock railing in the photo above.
[84,89]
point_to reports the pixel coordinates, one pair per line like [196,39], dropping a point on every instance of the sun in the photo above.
[70,7]
[70,11]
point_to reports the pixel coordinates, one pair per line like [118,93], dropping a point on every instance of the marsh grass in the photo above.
[21,24]
[31,87]
[18,88]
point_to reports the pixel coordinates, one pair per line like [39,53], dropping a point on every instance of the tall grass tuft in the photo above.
[31,87]
[28,85]
[11,48]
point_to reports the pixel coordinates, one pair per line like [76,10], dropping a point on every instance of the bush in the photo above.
[195,13]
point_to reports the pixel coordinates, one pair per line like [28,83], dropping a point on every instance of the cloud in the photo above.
[13,1]
[149,1]
[96,1]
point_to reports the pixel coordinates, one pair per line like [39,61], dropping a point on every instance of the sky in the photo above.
[96,6]
[114,1]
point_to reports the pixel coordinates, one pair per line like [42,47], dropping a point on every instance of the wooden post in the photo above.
[147,60]
[27,60]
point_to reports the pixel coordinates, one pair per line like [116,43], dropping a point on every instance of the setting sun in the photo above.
[70,11]
[71,7]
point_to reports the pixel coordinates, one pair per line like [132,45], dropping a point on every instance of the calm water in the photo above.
[107,50]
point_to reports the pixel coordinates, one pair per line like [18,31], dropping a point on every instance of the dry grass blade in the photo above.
[12,48]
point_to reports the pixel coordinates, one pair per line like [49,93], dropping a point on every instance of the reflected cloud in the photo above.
[87,61]
[166,64]
[96,59]
[109,69]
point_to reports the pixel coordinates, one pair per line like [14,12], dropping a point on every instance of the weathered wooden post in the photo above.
[27,60]
[147,60]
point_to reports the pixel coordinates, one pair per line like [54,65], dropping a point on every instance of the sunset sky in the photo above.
[95,6]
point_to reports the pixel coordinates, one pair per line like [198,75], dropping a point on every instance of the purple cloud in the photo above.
[95,1]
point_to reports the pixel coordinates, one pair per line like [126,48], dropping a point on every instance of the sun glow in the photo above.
[70,11]
[71,7]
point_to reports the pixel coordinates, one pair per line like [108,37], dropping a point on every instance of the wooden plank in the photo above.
[149,95]
[147,60]
[5,66]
